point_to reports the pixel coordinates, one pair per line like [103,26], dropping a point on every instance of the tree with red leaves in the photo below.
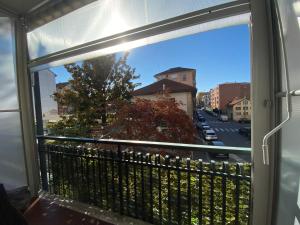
[154,120]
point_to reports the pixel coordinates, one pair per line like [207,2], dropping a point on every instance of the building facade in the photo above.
[179,74]
[63,109]
[181,93]
[47,89]
[206,100]
[200,99]
[223,94]
[239,109]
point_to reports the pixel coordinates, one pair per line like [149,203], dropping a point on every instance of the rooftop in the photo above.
[174,70]
[236,100]
[169,85]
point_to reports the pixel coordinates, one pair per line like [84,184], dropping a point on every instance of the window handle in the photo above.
[288,94]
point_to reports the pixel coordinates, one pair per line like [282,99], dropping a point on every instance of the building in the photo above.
[179,74]
[182,93]
[199,98]
[206,100]
[239,109]
[62,109]
[225,93]
[47,89]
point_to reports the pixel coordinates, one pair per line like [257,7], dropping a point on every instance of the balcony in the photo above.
[136,179]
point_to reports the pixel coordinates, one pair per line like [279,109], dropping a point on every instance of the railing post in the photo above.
[237,192]
[200,207]
[167,164]
[40,131]
[212,188]
[189,194]
[224,189]
[120,178]
[178,190]
[158,164]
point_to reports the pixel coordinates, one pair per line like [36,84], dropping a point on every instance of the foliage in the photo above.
[154,120]
[95,85]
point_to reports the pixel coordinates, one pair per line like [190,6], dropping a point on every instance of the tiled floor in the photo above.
[45,212]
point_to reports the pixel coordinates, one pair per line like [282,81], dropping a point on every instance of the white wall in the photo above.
[48,88]
[183,97]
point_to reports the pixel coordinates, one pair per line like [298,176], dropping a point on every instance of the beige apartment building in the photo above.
[226,92]
[179,74]
[239,109]
[182,93]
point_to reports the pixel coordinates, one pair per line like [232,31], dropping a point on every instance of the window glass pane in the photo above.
[12,172]
[216,24]
[8,89]
[104,18]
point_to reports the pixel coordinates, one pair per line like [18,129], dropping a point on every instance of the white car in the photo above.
[210,135]
[205,127]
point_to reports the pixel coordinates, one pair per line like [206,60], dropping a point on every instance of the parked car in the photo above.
[201,119]
[218,155]
[205,127]
[215,114]
[244,120]
[223,118]
[210,135]
[204,124]
[245,131]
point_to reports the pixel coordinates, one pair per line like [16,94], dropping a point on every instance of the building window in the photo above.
[245,108]
[245,113]
[238,113]
[173,76]
[183,77]
[245,102]
[237,108]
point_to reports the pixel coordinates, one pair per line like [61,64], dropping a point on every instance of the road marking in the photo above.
[221,129]
[216,129]
[233,130]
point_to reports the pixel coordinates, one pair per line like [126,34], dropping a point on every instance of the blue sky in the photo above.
[219,56]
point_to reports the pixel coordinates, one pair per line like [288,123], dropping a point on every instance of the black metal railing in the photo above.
[151,187]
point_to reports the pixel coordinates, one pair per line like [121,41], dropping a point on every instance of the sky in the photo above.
[221,55]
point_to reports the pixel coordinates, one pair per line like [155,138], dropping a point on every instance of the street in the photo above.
[228,133]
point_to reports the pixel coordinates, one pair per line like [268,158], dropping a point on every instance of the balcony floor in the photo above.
[46,212]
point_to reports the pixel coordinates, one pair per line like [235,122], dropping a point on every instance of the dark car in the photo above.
[245,131]
[218,155]
[201,119]
[244,120]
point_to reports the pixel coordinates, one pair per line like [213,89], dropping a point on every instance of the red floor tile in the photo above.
[44,212]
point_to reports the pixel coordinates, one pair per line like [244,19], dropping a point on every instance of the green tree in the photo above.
[96,85]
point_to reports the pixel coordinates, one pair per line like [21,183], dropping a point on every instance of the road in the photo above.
[227,132]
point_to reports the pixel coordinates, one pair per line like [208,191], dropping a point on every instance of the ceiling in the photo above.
[39,12]
[21,6]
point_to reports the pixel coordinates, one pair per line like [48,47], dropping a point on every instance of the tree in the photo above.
[95,85]
[154,120]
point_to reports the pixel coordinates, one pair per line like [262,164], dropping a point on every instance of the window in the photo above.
[183,77]
[238,113]
[245,113]
[173,76]
[237,108]
[245,102]
[245,108]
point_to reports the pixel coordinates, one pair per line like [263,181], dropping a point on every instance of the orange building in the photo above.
[223,94]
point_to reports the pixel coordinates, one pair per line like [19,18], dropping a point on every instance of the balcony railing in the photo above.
[156,188]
